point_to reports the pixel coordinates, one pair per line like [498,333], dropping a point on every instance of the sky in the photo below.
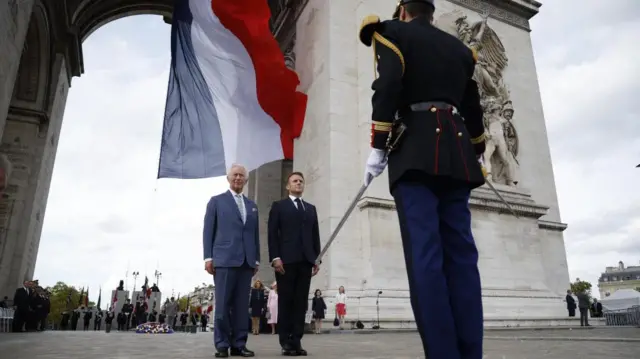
[107,214]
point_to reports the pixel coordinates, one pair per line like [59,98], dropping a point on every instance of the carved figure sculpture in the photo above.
[496,142]
[502,141]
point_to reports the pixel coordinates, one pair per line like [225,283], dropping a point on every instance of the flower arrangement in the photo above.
[154,328]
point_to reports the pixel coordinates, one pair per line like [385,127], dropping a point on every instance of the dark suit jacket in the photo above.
[294,236]
[21,299]
[226,240]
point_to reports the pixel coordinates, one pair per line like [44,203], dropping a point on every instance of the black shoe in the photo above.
[242,352]
[222,353]
[301,352]
[289,352]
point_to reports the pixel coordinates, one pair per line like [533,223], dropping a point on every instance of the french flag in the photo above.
[230,99]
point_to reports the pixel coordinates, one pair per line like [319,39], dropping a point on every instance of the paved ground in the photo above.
[533,345]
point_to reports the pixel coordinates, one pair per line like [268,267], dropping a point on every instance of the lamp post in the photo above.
[135,278]
[158,275]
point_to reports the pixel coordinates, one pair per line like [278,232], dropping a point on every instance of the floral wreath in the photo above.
[154,328]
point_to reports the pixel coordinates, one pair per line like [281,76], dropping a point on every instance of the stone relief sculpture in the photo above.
[501,136]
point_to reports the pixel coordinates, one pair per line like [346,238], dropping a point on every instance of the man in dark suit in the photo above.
[294,245]
[596,309]
[232,255]
[571,304]
[21,300]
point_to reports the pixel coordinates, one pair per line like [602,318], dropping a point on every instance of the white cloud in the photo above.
[107,212]
[589,78]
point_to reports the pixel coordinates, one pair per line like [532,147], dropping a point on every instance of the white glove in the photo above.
[376,164]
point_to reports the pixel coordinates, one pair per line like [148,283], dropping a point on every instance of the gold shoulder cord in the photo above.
[390,45]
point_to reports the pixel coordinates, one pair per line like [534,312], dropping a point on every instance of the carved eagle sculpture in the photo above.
[485,42]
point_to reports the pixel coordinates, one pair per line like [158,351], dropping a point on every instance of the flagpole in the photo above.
[126,276]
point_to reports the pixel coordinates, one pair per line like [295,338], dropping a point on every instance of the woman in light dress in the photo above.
[272,307]
[341,305]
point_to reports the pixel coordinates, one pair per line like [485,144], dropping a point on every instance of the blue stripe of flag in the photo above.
[191,138]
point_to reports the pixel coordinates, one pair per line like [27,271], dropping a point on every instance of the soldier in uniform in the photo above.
[424,81]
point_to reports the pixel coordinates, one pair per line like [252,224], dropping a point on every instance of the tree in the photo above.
[580,286]
[60,302]
[183,303]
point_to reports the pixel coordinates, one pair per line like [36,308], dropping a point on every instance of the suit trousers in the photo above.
[442,267]
[293,302]
[231,321]
[171,319]
[584,316]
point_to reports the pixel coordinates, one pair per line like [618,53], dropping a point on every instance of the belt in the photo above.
[433,106]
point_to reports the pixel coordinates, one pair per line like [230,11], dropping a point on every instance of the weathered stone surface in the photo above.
[72,345]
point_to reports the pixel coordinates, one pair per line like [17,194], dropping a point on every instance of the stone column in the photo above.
[266,185]
[14,21]
[30,142]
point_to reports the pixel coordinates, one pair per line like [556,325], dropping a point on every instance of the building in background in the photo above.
[202,297]
[620,277]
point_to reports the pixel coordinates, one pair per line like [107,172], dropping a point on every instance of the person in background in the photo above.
[596,309]
[571,304]
[257,306]
[272,307]
[108,319]
[583,305]
[341,305]
[318,307]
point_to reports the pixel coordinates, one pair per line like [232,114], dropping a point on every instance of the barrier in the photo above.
[6,320]
[623,317]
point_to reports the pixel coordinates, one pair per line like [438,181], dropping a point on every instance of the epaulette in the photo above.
[370,24]
[474,52]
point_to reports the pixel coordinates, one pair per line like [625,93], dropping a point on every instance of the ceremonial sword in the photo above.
[390,146]
[484,172]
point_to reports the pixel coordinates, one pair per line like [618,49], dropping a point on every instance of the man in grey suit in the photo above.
[583,304]
[172,312]
[232,255]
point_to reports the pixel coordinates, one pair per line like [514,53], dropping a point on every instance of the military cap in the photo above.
[405,2]
[396,13]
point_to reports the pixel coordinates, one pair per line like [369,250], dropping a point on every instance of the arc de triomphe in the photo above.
[523,261]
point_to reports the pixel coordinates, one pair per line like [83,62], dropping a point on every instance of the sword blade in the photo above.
[344,218]
[501,198]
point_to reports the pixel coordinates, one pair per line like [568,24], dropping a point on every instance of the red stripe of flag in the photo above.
[276,84]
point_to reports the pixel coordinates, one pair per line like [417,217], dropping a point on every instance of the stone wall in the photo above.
[14,21]
[30,141]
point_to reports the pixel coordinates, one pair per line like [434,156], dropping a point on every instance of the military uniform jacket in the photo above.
[418,63]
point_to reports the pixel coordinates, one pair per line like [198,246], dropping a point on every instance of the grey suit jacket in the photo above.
[226,240]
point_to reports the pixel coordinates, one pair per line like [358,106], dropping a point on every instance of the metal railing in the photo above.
[623,317]
[6,320]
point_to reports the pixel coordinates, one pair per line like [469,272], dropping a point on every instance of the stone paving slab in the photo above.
[99,345]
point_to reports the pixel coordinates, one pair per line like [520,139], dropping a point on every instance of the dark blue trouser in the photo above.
[231,317]
[442,267]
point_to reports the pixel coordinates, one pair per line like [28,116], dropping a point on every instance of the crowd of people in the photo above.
[32,305]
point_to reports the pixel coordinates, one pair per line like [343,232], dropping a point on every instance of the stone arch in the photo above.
[90,15]
[32,86]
